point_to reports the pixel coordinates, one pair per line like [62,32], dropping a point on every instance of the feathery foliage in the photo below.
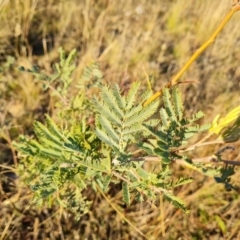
[69,154]
[174,130]
[92,75]
[63,72]
[119,119]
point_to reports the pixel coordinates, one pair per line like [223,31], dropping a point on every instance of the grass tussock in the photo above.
[128,39]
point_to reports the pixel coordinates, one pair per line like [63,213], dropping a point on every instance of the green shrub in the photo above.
[99,142]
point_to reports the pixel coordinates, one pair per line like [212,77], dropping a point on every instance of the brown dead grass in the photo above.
[124,36]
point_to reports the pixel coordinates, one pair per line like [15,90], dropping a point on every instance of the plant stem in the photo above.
[176,78]
[206,160]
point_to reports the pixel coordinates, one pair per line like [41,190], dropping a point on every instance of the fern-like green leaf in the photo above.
[182,181]
[50,144]
[146,95]
[91,75]
[178,104]
[106,182]
[163,154]
[168,105]
[196,116]
[39,149]
[131,97]
[164,117]
[121,101]
[78,101]
[105,138]
[159,134]
[133,129]
[42,132]
[52,127]
[143,115]
[105,111]
[177,202]
[111,101]
[126,193]
[148,148]
[129,113]
[108,127]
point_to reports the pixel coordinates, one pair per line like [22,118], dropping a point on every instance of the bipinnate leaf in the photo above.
[120,118]
[177,202]
[126,193]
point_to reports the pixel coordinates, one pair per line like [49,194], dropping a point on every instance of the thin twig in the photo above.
[175,79]
[231,162]
[198,144]
[205,160]
[146,159]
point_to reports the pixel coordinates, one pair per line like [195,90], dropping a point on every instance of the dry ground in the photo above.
[128,38]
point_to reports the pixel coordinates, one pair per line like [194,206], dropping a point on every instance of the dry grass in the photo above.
[124,36]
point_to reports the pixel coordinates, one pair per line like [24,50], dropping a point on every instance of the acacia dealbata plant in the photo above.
[105,140]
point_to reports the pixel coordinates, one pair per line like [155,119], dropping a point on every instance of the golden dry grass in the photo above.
[129,38]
